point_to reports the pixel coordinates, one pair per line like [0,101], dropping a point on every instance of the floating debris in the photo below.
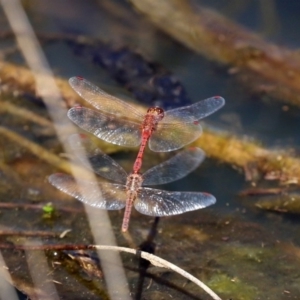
[284,203]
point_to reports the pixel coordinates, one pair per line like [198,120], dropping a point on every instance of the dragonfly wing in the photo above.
[194,112]
[161,203]
[112,196]
[175,168]
[108,128]
[99,162]
[103,101]
[170,137]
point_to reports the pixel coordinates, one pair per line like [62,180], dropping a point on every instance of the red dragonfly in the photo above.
[120,123]
[129,190]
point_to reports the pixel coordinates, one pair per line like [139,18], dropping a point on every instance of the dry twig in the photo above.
[24,113]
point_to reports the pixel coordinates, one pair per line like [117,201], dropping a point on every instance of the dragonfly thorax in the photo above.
[153,116]
[134,182]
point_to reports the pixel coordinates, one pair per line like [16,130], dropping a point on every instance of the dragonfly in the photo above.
[130,189]
[120,123]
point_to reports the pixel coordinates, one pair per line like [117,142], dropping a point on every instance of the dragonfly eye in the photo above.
[159,111]
[156,110]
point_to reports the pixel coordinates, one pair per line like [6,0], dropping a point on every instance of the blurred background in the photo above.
[246,246]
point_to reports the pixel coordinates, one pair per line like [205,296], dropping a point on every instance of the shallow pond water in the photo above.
[240,251]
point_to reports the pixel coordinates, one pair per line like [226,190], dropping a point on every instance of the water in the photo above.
[237,249]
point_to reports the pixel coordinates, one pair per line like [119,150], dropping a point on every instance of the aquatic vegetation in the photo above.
[233,287]
[285,203]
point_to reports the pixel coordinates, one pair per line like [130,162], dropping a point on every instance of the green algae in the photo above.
[232,287]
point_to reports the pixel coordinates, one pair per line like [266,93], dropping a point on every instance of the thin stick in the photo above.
[28,233]
[24,113]
[10,205]
[154,260]
[22,78]
[39,151]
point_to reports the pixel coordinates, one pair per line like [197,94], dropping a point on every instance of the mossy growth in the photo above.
[232,287]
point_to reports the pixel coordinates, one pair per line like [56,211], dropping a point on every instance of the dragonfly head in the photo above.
[156,111]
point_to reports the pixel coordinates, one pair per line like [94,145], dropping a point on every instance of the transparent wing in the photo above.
[180,126]
[170,137]
[100,163]
[108,128]
[103,101]
[175,168]
[194,112]
[161,203]
[113,195]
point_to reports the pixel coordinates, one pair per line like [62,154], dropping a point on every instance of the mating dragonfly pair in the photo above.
[119,123]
